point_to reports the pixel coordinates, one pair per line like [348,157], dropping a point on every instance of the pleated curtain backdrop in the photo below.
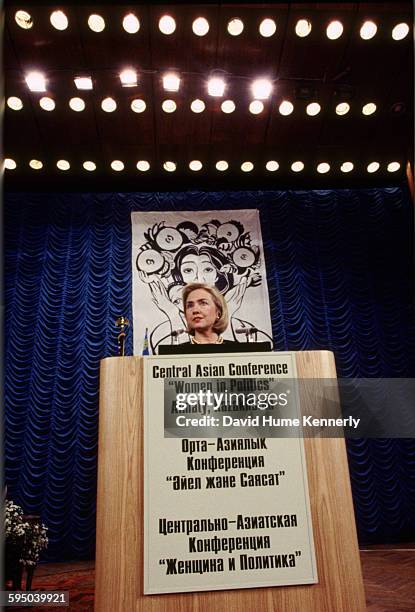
[339,266]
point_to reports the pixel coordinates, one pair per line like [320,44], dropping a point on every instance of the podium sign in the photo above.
[222,513]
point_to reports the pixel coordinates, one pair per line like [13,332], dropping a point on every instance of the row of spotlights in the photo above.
[196,165]
[200,26]
[138,105]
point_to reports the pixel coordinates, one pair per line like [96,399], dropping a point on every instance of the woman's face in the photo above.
[198,269]
[201,311]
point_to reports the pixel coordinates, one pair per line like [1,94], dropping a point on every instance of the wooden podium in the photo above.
[119,549]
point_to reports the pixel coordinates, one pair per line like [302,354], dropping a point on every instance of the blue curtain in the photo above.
[339,266]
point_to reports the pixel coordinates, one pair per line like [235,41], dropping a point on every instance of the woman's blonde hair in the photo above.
[223,321]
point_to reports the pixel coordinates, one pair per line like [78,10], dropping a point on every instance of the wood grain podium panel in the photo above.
[120,546]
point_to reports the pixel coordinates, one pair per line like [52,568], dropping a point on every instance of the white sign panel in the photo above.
[222,513]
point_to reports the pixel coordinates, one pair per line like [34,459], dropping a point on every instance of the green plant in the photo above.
[27,535]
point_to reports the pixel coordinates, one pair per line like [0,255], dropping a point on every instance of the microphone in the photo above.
[177,332]
[246,330]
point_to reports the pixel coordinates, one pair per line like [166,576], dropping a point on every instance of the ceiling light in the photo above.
[303,28]
[36,81]
[342,108]
[286,108]
[368,30]
[10,164]
[334,30]
[63,164]
[96,23]
[272,165]
[216,86]
[373,167]
[138,105]
[169,166]
[261,89]
[128,78]
[393,166]
[297,166]
[108,105]
[228,106]
[198,106]
[36,164]
[369,108]
[131,24]
[222,165]
[83,82]
[313,109]
[400,31]
[59,20]
[77,104]
[200,26]
[89,165]
[247,166]
[195,165]
[256,107]
[117,165]
[167,24]
[14,103]
[323,168]
[143,165]
[171,82]
[23,19]
[169,106]
[235,27]
[47,103]
[346,166]
[267,27]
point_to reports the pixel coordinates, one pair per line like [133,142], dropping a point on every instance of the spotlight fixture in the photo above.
[14,103]
[171,82]
[373,167]
[169,106]
[222,165]
[200,26]
[400,31]
[36,164]
[10,164]
[369,108]
[197,106]
[235,27]
[368,30]
[267,28]
[216,87]
[108,105]
[228,106]
[77,104]
[36,81]
[167,25]
[346,167]
[90,166]
[303,28]
[313,109]
[342,108]
[393,166]
[195,165]
[247,166]
[143,165]
[272,165]
[138,105]
[286,108]
[398,108]
[47,103]
[323,168]
[169,166]
[63,164]
[23,19]
[117,165]
[256,107]
[297,166]
[334,30]
[59,20]
[261,89]
[96,23]
[131,23]
[84,82]
[128,78]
